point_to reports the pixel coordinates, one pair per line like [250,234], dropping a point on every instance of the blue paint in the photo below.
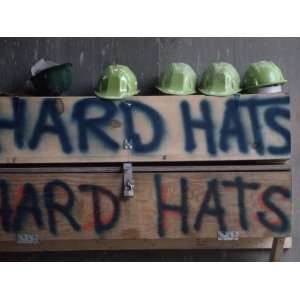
[232,128]
[94,126]
[241,187]
[284,224]
[211,205]
[181,210]
[100,226]
[216,211]
[52,205]
[29,204]
[131,133]
[272,114]
[205,123]
[49,109]
[17,123]
[253,105]
[6,211]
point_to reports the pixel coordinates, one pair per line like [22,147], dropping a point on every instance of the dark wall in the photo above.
[147,57]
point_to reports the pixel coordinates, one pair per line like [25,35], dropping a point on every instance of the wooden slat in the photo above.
[266,214]
[171,128]
[151,168]
[107,245]
[277,249]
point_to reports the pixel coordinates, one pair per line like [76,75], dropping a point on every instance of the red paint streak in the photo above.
[261,203]
[91,225]
[228,188]
[164,193]
[275,222]
[164,200]
[172,213]
[88,226]
[18,197]
[19,193]
[255,217]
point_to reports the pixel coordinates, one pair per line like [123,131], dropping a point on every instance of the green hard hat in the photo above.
[53,81]
[118,82]
[220,79]
[262,73]
[178,79]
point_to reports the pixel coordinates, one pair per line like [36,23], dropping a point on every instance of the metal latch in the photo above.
[228,235]
[127,144]
[128,180]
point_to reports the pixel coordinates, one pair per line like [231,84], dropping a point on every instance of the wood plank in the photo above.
[156,244]
[262,210]
[150,168]
[159,128]
[277,249]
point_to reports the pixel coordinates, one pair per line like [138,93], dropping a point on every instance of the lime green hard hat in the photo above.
[178,79]
[118,82]
[262,73]
[220,79]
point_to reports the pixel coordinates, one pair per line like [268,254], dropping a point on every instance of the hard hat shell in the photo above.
[220,79]
[118,82]
[53,81]
[262,73]
[178,79]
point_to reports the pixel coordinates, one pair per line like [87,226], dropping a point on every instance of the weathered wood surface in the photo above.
[151,168]
[159,128]
[277,249]
[186,205]
[157,244]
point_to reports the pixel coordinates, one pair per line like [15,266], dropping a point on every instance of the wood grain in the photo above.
[156,244]
[138,218]
[165,141]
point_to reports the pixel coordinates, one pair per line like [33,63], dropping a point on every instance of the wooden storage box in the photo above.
[205,170]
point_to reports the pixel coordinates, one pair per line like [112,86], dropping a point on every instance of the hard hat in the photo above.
[54,80]
[262,73]
[118,82]
[178,79]
[220,79]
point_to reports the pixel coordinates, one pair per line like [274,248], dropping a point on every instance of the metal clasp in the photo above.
[128,180]
[127,145]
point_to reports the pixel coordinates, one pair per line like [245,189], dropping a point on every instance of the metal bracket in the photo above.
[228,235]
[128,180]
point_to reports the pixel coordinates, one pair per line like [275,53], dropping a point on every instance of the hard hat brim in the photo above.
[210,93]
[53,68]
[104,96]
[173,92]
[264,85]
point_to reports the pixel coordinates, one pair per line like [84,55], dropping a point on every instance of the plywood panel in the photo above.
[157,128]
[186,205]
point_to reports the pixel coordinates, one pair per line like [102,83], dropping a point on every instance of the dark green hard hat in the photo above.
[220,79]
[118,82]
[178,79]
[262,73]
[53,81]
